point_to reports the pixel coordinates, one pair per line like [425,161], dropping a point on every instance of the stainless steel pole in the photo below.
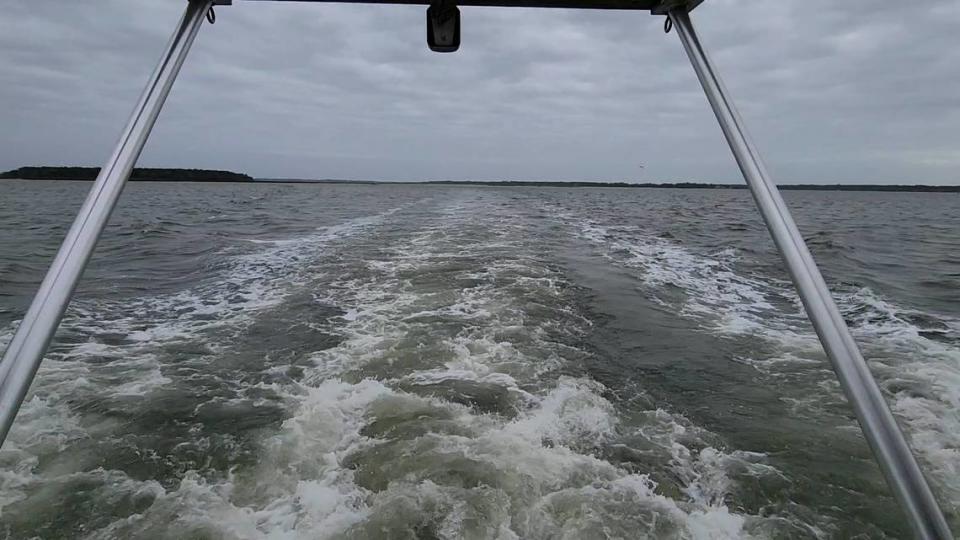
[888,444]
[25,352]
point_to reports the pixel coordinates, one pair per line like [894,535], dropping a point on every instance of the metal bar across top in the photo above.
[888,444]
[657,6]
[25,352]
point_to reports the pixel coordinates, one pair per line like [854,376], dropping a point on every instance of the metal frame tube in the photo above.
[878,424]
[25,352]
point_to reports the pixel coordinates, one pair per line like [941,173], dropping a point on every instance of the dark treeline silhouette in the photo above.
[207,175]
[156,175]
[703,185]
[674,185]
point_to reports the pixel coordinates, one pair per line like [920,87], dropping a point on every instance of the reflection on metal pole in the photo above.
[29,343]
[881,430]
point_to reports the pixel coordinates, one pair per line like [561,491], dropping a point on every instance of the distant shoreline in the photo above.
[138,174]
[920,188]
[210,175]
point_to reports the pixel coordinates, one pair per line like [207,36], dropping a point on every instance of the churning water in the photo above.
[331,361]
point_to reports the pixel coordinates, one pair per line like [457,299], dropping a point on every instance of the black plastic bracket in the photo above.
[666,6]
[443,27]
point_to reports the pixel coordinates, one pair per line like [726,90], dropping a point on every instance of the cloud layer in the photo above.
[853,91]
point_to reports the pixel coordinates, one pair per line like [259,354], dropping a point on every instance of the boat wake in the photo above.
[432,371]
[448,409]
[914,355]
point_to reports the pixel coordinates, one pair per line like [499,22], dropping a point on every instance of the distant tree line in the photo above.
[209,175]
[704,185]
[144,174]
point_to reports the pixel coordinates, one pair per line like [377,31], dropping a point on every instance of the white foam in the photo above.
[540,468]
[713,291]
[131,367]
[41,429]
[542,453]
[921,375]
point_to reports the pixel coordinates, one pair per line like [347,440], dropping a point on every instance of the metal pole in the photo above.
[26,349]
[881,430]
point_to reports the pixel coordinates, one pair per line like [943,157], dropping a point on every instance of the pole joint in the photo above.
[666,6]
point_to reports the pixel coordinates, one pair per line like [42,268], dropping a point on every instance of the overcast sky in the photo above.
[833,91]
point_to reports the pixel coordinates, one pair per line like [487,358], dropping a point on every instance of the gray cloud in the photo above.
[853,91]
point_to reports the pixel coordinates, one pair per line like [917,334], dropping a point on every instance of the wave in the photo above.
[447,410]
[914,355]
[110,355]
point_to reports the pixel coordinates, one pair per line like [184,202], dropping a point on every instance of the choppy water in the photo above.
[328,361]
